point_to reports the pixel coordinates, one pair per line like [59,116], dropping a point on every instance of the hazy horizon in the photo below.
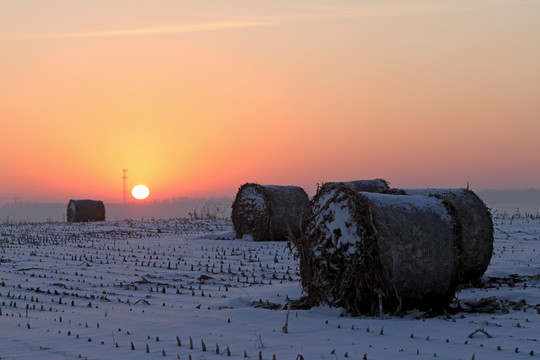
[16,199]
[498,201]
[157,209]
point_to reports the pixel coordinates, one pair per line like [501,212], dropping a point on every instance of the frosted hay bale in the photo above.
[374,186]
[85,210]
[269,212]
[356,246]
[474,218]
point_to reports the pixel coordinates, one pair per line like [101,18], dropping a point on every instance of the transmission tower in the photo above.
[124,178]
[15,198]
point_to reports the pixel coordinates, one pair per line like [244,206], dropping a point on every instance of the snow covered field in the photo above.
[182,289]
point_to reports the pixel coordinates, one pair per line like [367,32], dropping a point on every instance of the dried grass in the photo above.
[476,226]
[85,210]
[268,212]
[359,250]
[374,186]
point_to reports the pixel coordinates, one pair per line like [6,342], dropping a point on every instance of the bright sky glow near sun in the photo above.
[197,98]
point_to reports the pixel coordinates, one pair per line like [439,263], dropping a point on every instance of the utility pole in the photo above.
[15,198]
[124,178]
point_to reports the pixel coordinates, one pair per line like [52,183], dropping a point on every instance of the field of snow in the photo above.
[185,289]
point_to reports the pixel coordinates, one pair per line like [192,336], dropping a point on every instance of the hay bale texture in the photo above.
[85,210]
[374,186]
[476,227]
[268,212]
[360,250]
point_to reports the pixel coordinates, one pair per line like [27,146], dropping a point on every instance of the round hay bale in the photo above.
[474,218]
[85,210]
[374,186]
[359,248]
[268,212]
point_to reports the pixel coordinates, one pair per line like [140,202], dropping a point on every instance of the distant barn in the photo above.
[85,210]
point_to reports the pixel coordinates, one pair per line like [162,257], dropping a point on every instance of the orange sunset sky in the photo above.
[196,98]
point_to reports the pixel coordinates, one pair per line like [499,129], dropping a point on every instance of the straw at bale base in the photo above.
[374,186]
[85,210]
[363,250]
[269,212]
[474,218]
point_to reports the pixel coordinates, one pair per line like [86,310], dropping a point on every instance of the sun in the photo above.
[140,192]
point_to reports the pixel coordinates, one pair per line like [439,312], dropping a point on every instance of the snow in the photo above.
[411,202]
[435,191]
[72,291]
[253,199]
[336,220]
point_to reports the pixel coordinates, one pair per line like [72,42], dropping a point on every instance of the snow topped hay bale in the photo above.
[85,210]
[268,212]
[361,251]
[474,218]
[374,186]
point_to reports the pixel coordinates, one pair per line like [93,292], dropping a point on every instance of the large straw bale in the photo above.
[362,250]
[374,186]
[268,212]
[476,225]
[85,210]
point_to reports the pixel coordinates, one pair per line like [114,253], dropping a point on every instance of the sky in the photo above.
[197,98]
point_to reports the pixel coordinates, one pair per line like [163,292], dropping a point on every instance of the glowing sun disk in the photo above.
[140,192]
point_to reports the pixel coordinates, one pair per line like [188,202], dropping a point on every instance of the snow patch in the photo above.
[337,222]
[411,202]
[251,198]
